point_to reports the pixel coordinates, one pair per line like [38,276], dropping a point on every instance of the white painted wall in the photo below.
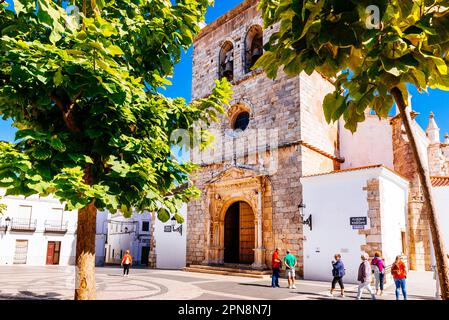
[42,210]
[371,144]
[119,240]
[171,246]
[100,237]
[331,200]
[441,195]
[394,199]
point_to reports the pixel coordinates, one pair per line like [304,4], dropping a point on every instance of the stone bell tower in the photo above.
[273,132]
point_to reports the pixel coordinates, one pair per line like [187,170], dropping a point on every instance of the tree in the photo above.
[371,50]
[92,128]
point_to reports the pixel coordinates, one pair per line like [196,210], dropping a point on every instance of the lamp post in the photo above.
[173,226]
[308,221]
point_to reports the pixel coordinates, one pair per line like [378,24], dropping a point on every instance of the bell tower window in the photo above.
[253,46]
[226,67]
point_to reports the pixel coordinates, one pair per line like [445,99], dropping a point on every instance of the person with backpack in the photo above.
[338,272]
[399,273]
[378,268]
[364,276]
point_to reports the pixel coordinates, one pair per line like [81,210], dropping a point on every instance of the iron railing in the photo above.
[18,224]
[55,226]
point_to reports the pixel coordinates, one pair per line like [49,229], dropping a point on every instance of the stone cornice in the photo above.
[225,18]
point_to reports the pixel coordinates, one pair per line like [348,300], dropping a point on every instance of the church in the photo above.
[279,176]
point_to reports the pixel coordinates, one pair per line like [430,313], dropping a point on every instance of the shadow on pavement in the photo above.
[28,295]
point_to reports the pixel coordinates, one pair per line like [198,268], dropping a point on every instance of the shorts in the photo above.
[291,273]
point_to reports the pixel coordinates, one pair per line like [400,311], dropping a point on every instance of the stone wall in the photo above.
[374,232]
[418,227]
[283,113]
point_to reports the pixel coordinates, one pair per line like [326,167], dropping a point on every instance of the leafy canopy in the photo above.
[91,123]
[408,45]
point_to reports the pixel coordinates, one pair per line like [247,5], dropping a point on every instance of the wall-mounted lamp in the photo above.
[173,226]
[308,221]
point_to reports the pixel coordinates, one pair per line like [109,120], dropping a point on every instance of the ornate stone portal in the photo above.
[228,187]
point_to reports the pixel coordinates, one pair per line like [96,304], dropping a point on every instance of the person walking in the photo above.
[338,272]
[399,273]
[364,276]
[290,265]
[378,268]
[276,268]
[127,261]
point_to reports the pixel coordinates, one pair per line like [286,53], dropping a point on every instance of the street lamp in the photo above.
[173,225]
[308,221]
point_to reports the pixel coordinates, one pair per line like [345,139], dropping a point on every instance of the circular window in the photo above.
[242,121]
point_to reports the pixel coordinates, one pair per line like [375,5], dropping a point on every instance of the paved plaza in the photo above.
[55,282]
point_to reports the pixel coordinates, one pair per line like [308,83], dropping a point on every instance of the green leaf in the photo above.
[163,215]
[58,78]
[179,219]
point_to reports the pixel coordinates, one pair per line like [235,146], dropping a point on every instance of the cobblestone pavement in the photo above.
[55,282]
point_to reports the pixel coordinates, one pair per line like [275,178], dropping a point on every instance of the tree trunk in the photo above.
[424,177]
[85,254]
[85,286]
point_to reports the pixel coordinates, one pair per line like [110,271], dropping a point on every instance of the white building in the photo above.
[171,243]
[373,202]
[37,231]
[150,241]
[369,198]
[116,234]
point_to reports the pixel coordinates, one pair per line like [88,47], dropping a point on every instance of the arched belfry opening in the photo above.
[253,46]
[226,67]
[239,234]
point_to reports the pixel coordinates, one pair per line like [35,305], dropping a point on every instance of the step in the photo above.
[228,271]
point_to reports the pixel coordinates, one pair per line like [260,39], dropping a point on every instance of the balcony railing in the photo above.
[55,226]
[27,225]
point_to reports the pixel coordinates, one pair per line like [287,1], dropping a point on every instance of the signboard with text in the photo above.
[358,223]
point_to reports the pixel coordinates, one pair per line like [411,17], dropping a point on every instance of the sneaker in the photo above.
[290,287]
[330,294]
[293,287]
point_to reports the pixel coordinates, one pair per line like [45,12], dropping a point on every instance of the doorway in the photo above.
[239,234]
[145,255]
[21,252]
[53,252]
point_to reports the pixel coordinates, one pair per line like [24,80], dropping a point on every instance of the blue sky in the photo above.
[435,100]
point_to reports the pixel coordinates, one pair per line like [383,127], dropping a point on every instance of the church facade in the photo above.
[272,137]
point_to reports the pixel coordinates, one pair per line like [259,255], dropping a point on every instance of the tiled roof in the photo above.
[355,169]
[440,181]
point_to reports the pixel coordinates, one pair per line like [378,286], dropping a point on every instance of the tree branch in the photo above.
[67,113]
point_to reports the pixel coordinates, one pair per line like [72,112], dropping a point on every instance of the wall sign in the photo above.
[167,228]
[358,223]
